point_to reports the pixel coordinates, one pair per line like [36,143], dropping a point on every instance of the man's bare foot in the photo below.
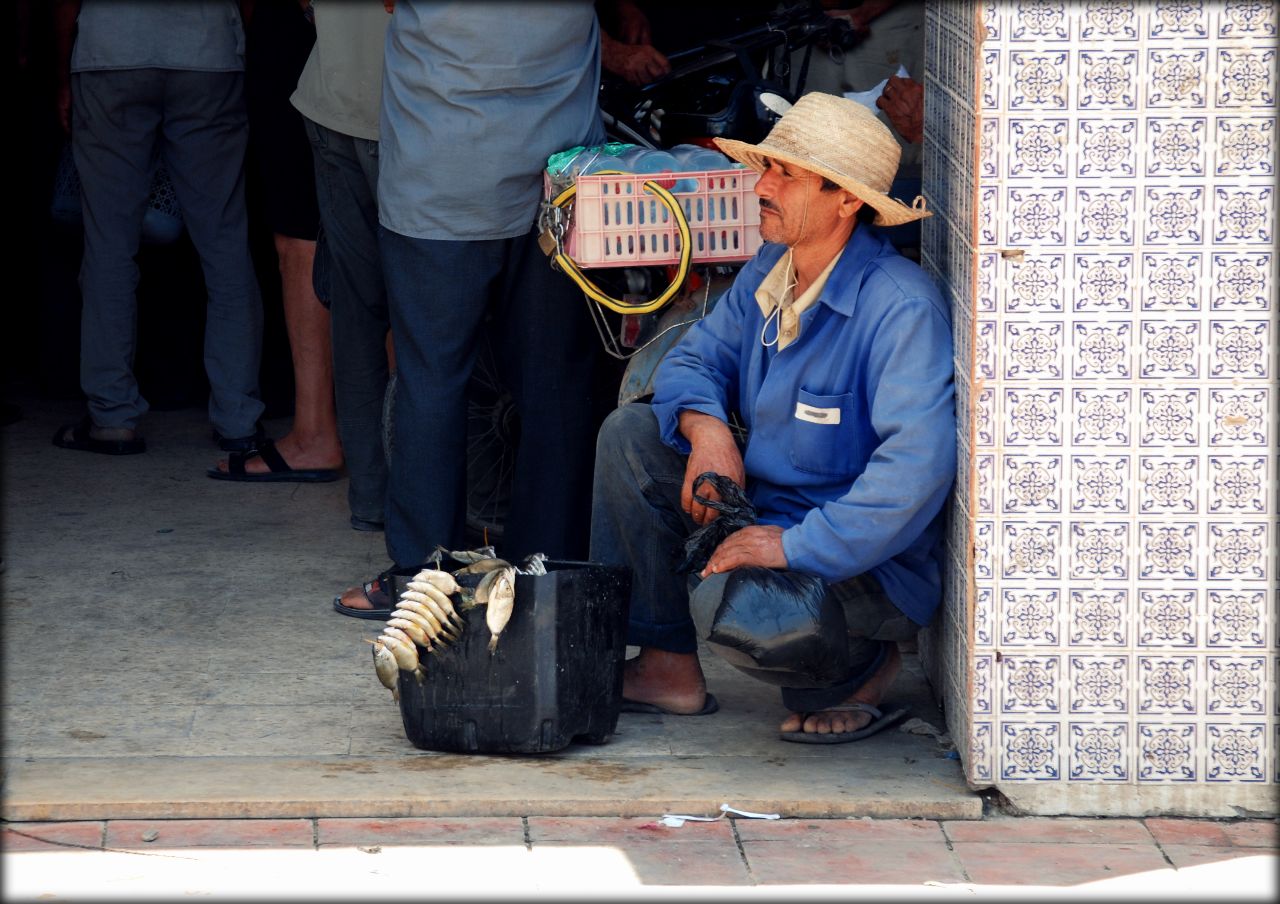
[355,598]
[376,595]
[872,692]
[300,452]
[672,681]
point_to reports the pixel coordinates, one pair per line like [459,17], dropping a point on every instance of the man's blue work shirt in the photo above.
[851,428]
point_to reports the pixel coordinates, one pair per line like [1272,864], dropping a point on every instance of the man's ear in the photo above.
[849,204]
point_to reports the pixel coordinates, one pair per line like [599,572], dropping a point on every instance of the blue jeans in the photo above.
[637,521]
[123,121]
[346,187]
[439,293]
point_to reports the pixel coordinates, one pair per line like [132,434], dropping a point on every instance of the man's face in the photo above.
[793,207]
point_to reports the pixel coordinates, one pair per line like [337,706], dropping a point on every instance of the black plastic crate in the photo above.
[555,677]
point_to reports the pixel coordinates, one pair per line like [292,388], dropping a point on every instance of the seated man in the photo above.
[835,351]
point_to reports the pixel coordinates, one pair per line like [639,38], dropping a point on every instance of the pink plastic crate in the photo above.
[616,223]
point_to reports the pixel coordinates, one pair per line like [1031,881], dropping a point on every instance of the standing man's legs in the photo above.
[278,42]
[115,123]
[312,441]
[547,359]
[436,294]
[346,186]
[206,134]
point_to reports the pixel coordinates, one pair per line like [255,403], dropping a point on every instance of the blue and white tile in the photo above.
[1169,551]
[1167,618]
[1030,751]
[1098,751]
[1235,751]
[1236,619]
[1167,484]
[1099,618]
[1167,751]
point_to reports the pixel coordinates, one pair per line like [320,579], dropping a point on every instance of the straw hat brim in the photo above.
[889,211]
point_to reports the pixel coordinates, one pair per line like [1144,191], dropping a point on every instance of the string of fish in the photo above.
[426,617]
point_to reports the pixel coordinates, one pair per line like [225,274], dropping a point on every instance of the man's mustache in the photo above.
[768,205]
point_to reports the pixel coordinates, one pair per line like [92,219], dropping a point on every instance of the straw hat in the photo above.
[842,140]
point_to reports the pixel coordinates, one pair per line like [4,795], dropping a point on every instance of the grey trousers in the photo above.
[347,189]
[123,122]
[636,521]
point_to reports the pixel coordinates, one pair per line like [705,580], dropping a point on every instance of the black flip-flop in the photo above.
[279,468]
[710,705]
[77,436]
[879,721]
[383,593]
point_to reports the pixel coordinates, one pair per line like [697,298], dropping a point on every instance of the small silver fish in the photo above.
[431,621]
[486,585]
[404,651]
[441,580]
[482,566]
[502,598]
[413,629]
[384,665]
[469,556]
[533,564]
[434,600]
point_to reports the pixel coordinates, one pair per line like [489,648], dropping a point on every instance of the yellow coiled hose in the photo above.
[594,292]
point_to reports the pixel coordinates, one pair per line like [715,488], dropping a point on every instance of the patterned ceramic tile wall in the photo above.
[1116,322]
[949,253]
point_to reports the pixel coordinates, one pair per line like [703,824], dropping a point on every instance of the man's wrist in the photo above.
[697,425]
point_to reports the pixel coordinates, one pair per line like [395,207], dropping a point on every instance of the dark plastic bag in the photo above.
[782,627]
[736,511]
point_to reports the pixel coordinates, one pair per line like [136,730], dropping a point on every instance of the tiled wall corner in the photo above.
[949,254]
[1104,176]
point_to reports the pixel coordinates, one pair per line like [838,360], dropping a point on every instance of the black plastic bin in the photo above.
[556,674]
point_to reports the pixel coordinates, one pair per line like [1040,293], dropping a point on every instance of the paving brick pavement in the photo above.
[632,857]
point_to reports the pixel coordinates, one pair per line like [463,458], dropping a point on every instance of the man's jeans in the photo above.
[439,293]
[346,186]
[637,521]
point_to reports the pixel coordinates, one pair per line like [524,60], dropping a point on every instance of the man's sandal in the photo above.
[382,593]
[879,721]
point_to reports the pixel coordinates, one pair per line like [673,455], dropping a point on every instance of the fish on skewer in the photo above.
[413,629]
[501,602]
[433,598]
[430,623]
[404,651]
[482,566]
[384,665]
[441,580]
[466,556]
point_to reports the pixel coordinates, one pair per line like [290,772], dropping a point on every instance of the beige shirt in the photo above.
[774,296]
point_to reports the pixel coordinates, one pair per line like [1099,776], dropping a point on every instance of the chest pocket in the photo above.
[824,435]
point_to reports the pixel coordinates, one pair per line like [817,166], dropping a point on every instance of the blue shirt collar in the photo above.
[841,291]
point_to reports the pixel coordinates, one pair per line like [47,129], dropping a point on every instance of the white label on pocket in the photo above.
[817,415]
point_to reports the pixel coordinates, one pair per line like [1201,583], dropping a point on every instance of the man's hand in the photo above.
[633,24]
[713,449]
[903,102]
[758,544]
[639,64]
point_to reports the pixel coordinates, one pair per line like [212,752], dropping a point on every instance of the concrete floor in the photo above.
[170,651]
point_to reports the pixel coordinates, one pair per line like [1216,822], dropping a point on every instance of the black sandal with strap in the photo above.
[382,593]
[279,469]
[77,436]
